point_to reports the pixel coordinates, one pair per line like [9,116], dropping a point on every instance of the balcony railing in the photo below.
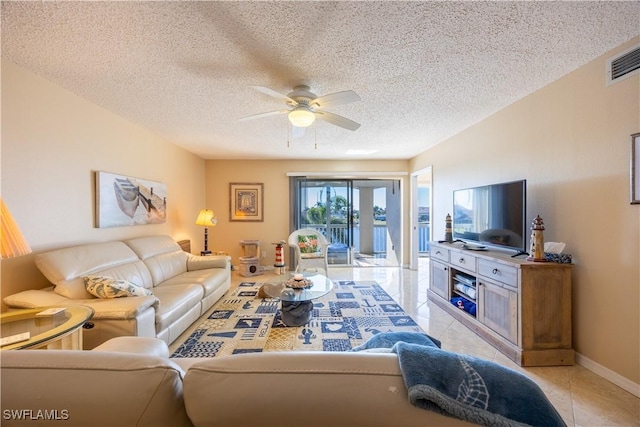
[337,233]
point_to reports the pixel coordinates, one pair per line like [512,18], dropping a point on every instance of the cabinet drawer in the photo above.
[440,253]
[498,272]
[463,260]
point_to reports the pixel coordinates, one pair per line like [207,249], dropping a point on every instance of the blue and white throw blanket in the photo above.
[465,387]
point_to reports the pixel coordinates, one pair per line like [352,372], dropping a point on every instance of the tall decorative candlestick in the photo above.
[536,249]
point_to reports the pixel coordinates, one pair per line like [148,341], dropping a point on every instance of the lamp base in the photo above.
[204,253]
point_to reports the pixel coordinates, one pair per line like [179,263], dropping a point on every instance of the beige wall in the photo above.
[52,143]
[273,174]
[571,141]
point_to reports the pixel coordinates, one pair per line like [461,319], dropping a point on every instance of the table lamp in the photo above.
[13,242]
[207,219]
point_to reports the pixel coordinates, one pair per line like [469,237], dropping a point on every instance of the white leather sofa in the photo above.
[129,381]
[183,286]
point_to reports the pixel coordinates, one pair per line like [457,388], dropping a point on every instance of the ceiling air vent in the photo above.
[624,65]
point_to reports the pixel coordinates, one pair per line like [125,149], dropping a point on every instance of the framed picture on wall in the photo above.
[124,200]
[246,201]
[635,172]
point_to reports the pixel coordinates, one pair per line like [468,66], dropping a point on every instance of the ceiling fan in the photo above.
[306,106]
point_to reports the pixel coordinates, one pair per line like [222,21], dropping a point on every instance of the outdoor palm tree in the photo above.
[315,214]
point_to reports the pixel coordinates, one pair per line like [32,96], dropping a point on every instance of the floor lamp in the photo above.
[206,218]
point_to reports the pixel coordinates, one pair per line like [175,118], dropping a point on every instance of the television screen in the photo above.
[491,214]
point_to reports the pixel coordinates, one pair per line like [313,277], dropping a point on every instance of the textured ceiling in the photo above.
[424,70]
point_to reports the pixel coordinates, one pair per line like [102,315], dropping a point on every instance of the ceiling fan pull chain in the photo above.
[315,135]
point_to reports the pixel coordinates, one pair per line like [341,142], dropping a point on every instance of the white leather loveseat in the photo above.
[182,286]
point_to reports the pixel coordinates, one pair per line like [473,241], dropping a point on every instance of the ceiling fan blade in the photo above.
[274,94]
[261,115]
[337,120]
[338,98]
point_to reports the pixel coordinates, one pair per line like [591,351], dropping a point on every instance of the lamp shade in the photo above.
[206,218]
[302,117]
[13,242]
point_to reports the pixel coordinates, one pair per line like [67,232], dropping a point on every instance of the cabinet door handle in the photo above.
[438,252]
[461,260]
[495,271]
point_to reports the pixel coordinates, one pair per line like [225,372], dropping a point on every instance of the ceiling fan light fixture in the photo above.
[302,116]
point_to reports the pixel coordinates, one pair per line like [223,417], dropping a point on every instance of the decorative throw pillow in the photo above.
[308,244]
[107,287]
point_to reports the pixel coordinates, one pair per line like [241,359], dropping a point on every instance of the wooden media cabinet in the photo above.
[522,308]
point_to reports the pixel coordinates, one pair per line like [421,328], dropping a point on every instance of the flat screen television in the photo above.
[492,215]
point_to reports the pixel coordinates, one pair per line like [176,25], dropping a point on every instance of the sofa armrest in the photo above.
[136,345]
[109,308]
[35,298]
[196,262]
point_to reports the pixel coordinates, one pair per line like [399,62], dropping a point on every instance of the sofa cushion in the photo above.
[65,268]
[148,246]
[175,301]
[107,287]
[162,256]
[210,280]
[118,308]
[195,262]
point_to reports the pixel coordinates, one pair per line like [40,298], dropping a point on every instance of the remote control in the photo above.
[14,339]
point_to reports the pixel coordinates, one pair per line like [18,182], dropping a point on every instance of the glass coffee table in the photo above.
[297,305]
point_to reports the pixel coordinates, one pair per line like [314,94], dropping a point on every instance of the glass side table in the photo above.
[61,331]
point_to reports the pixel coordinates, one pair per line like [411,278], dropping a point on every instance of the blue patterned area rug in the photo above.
[349,315]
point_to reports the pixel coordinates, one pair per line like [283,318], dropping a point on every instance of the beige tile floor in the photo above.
[583,398]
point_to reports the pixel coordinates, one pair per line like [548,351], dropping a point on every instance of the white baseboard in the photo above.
[608,374]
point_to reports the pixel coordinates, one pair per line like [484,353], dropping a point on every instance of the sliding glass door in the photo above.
[361,218]
[327,206]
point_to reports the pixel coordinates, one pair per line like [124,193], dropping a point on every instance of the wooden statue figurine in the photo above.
[536,251]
